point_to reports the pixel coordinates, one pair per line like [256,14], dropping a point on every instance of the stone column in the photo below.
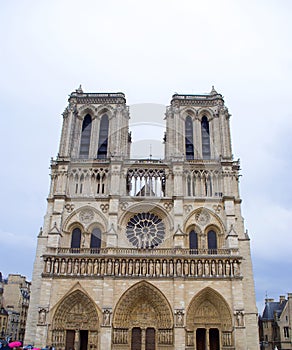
[77,340]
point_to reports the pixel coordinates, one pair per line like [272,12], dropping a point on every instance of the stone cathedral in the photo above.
[143,254]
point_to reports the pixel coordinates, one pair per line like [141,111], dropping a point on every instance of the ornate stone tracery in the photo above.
[145,230]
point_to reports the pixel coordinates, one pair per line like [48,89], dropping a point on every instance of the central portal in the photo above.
[142,320]
[76,340]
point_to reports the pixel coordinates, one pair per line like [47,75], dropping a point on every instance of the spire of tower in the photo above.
[79,90]
[213,91]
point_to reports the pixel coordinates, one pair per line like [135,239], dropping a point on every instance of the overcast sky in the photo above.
[149,50]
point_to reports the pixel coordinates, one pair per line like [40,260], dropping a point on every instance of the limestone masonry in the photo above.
[143,253]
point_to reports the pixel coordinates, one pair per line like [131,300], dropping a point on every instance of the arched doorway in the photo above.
[142,320]
[75,323]
[208,321]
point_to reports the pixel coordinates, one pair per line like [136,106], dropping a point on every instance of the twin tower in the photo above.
[143,254]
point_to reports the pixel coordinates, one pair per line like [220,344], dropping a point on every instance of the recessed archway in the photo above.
[143,315]
[208,320]
[75,323]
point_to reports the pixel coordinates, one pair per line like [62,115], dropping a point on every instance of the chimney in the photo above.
[282,298]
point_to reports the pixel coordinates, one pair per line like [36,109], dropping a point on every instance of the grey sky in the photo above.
[149,50]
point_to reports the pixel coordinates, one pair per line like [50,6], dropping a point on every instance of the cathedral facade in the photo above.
[143,254]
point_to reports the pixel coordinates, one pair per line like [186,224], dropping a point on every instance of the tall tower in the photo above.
[143,254]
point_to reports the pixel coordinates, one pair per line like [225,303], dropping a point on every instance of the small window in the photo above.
[206,151]
[103,137]
[85,137]
[76,238]
[95,240]
[189,138]
[212,242]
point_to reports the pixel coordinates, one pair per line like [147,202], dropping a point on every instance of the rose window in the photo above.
[145,230]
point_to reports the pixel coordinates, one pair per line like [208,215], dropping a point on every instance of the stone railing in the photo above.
[139,266]
[184,252]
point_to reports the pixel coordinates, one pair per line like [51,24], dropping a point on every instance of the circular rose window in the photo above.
[145,230]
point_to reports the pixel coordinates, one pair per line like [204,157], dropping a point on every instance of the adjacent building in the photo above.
[143,254]
[275,324]
[16,296]
[3,312]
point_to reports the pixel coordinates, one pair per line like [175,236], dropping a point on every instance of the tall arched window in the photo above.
[76,238]
[212,242]
[103,137]
[206,151]
[85,137]
[193,237]
[95,239]
[189,138]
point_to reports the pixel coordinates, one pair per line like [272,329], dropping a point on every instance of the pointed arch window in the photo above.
[189,138]
[193,237]
[212,242]
[95,239]
[85,137]
[76,238]
[206,150]
[103,137]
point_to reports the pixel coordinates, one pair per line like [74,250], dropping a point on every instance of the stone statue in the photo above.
[69,266]
[220,268]
[63,266]
[157,268]
[227,268]
[89,267]
[117,267]
[76,266]
[82,267]
[151,268]
[48,266]
[109,267]
[137,267]
[42,316]
[186,268]
[130,267]
[200,268]
[56,266]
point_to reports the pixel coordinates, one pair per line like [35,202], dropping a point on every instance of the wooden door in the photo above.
[150,339]
[70,337]
[136,339]
[201,339]
[214,339]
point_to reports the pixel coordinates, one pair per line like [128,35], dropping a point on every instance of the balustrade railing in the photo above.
[140,251]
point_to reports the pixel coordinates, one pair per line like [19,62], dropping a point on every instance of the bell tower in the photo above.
[197,127]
